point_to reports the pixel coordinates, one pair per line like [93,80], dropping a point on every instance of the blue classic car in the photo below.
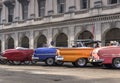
[47,55]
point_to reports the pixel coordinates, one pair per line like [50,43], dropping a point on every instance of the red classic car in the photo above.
[109,56]
[17,56]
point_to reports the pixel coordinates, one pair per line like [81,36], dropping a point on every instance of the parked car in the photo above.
[77,55]
[109,56]
[17,56]
[47,55]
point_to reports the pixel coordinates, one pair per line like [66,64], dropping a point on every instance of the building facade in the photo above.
[34,23]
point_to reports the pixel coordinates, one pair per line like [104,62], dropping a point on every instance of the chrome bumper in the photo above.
[59,58]
[35,58]
[3,58]
[96,61]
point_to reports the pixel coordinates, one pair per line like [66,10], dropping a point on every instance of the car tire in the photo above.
[81,62]
[26,62]
[50,61]
[34,62]
[116,63]
[16,62]
[59,63]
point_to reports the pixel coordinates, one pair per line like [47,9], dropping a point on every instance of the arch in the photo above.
[112,35]
[41,41]
[61,40]
[25,42]
[85,35]
[10,43]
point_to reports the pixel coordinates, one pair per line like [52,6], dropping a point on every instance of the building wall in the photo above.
[98,21]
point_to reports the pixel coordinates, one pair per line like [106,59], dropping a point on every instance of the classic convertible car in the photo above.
[47,55]
[77,55]
[109,56]
[17,56]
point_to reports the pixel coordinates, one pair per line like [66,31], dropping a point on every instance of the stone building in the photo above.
[32,23]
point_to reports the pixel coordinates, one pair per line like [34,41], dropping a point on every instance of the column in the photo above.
[16,11]
[16,39]
[49,7]
[98,31]
[31,40]
[3,43]
[49,36]
[31,10]
[77,3]
[71,35]
[36,9]
[55,6]
[4,14]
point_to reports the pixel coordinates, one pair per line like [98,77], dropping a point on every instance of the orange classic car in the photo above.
[77,55]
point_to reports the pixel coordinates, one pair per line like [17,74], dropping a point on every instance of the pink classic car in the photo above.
[17,56]
[109,56]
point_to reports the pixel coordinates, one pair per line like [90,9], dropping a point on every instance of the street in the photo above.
[57,74]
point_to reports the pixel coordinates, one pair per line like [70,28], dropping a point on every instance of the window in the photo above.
[41,5]
[113,1]
[84,4]
[25,9]
[61,6]
[10,13]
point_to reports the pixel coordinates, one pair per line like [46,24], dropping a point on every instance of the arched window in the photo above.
[112,35]
[41,41]
[25,42]
[85,35]
[61,40]
[10,43]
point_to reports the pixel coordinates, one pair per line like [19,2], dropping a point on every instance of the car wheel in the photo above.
[3,61]
[17,62]
[81,62]
[50,61]
[34,61]
[59,63]
[116,63]
[26,62]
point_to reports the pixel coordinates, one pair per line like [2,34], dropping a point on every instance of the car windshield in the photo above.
[85,43]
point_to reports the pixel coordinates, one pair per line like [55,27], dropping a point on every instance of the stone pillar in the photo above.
[49,7]
[55,6]
[49,37]
[20,11]
[71,35]
[77,3]
[16,39]
[3,43]
[16,11]
[97,31]
[36,8]
[31,40]
[4,14]
[31,8]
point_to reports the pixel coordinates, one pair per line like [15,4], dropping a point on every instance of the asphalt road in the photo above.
[57,74]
